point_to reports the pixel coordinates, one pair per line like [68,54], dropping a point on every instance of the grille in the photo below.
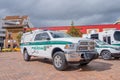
[83,43]
[82,48]
[86,46]
[91,48]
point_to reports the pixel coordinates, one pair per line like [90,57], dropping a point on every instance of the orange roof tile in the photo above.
[18,18]
[11,17]
[24,17]
[15,17]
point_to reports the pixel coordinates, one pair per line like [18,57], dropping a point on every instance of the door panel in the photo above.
[41,45]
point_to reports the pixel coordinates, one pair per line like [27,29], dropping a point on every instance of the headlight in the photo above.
[70,46]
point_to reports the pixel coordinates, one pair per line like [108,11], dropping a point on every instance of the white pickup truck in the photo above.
[59,47]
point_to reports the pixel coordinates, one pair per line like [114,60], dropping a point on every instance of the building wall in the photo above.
[2,37]
[85,29]
[11,37]
[14,25]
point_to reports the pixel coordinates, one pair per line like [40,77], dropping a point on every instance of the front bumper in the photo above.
[115,54]
[73,56]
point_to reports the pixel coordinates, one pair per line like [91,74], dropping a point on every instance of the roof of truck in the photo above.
[36,31]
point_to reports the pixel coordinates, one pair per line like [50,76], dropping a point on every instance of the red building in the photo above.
[86,28]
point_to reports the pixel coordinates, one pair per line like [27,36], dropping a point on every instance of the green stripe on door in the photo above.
[46,43]
[116,44]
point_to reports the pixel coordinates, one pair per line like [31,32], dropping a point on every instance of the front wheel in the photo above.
[59,61]
[116,57]
[106,55]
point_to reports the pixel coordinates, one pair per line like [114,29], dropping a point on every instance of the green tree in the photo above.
[75,32]
[19,36]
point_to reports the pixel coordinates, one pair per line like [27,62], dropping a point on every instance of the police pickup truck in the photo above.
[107,51]
[59,47]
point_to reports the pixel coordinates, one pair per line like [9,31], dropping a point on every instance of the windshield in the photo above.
[59,35]
[101,42]
[117,35]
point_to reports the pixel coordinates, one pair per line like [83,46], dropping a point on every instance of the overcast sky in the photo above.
[62,12]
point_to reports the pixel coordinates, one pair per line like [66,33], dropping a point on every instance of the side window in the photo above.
[94,36]
[38,37]
[42,36]
[45,35]
[107,39]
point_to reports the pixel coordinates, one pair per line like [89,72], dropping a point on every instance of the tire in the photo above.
[106,55]
[116,57]
[26,56]
[59,61]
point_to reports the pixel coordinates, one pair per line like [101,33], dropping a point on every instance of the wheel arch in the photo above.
[24,49]
[103,50]
[56,50]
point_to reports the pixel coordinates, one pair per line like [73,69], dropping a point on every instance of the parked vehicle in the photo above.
[59,47]
[111,36]
[6,50]
[16,49]
[106,50]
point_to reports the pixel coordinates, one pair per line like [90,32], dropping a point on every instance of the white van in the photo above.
[111,36]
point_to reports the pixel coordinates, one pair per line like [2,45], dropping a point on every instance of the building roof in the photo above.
[81,26]
[12,21]
[15,17]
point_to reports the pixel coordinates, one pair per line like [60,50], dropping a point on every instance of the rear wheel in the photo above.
[106,55]
[59,61]
[26,56]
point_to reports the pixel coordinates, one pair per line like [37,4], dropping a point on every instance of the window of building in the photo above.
[92,31]
[1,38]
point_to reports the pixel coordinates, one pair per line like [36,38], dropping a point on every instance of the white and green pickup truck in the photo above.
[58,47]
[106,50]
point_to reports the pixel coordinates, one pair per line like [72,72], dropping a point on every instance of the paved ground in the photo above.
[13,67]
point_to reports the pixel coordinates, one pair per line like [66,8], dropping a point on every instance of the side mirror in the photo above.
[47,38]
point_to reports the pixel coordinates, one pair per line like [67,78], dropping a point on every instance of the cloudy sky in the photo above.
[62,12]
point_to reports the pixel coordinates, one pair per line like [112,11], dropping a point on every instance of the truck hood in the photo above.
[71,39]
